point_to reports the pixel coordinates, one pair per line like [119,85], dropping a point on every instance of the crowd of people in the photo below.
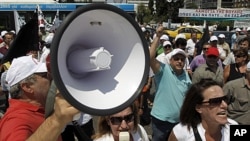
[199,91]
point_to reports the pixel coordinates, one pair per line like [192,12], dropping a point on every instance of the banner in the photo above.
[215,13]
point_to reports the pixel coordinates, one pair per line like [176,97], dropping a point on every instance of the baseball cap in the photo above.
[164,37]
[213,38]
[22,67]
[166,43]
[3,33]
[237,29]
[221,36]
[212,51]
[177,51]
[180,36]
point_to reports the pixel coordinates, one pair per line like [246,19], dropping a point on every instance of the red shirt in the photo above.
[20,121]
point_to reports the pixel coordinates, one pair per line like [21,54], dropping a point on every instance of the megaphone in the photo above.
[99,59]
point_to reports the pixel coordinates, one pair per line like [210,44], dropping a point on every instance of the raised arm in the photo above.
[155,64]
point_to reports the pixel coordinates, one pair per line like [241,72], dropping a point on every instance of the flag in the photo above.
[19,22]
[204,39]
[42,20]
[26,40]
[56,22]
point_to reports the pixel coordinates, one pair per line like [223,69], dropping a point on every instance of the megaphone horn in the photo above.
[99,59]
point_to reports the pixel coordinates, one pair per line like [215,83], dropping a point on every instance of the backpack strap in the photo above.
[196,134]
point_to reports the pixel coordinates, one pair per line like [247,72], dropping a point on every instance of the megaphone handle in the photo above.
[49,105]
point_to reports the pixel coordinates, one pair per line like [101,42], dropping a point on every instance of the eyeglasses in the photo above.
[43,75]
[167,46]
[238,56]
[217,101]
[118,120]
[177,58]
[205,48]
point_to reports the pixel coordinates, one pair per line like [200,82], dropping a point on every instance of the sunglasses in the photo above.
[205,48]
[43,75]
[177,58]
[118,120]
[217,101]
[238,56]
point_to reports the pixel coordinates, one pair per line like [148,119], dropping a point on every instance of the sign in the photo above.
[215,13]
[241,23]
[55,7]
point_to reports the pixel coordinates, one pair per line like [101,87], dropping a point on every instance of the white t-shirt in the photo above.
[136,136]
[183,134]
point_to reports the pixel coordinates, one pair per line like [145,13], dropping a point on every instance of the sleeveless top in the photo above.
[234,72]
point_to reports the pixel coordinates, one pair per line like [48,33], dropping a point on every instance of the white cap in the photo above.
[177,51]
[237,29]
[22,67]
[41,25]
[213,38]
[180,36]
[13,31]
[221,36]
[3,33]
[164,37]
[248,29]
[166,43]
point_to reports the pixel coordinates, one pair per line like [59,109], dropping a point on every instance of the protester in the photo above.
[238,69]
[239,89]
[109,127]
[171,82]
[210,69]
[24,119]
[203,114]
[200,59]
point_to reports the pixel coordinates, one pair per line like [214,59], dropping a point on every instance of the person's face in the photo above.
[244,44]
[167,49]
[221,40]
[41,87]
[194,37]
[177,62]
[212,60]
[122,121]
[214,43]
[240,58]
[205,48]
[8,38]
[213,111]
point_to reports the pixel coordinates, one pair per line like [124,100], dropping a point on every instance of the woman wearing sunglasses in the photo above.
[203,114]
[109,127]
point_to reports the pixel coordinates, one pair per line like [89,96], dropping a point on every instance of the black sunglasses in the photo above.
[177,58]
[167,46]
[205,48]
[238,56]
[217,101]
[118,120]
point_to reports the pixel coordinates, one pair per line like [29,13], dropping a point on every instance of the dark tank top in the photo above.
[234,72]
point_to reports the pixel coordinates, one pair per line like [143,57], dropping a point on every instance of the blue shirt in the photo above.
[170,93]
